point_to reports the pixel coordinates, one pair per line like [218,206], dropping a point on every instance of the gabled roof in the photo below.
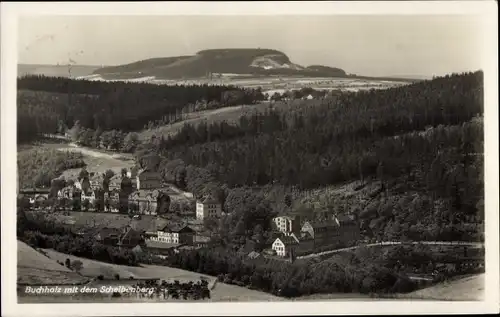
[35,190]
[146,170]
[130,234]
[176,228]
[210,199]
[145,194]
[97,178]
[323,224]
[290,215]
[107,232]
[346,219]
[253,255]
[87,192]
[288,240]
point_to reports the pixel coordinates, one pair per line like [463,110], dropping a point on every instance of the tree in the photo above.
[75,131]
[61,127]
[163,203]
[83,174]
[86,204]
[96,139]
[130,142]
[106,139]
[109,174]
[77,265]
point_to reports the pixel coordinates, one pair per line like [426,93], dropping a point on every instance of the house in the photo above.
[320,230]
[148,179]
[284,245]
[176,234]
[292,245]
[160,248]
[209,207]
[69,192]
[111,201]
[340,230]
[132,173]
[109,236]
[201,240]
[83,183]
[113,195]
[349,229]
[288,224]
[130,238]
[115,183]
[96,182]
[35,194]
[89,195]
[144,201]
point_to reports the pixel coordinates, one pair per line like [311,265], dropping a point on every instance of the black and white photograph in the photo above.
[157,154]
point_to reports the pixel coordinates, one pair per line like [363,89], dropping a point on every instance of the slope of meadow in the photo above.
[220,291]
[33,268]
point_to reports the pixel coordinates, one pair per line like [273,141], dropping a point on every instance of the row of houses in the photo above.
[147,193]
[161,240]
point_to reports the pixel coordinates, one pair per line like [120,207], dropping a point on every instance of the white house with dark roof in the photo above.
[89,195]
[285,245]
[289,223]
[209,207]
[175,234]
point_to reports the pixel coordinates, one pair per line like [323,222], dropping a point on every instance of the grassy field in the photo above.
[228,114]
[35,268]
[98,161]
[91,268]
[469,288]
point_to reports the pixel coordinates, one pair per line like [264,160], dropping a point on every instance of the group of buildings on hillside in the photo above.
[138,191]
[143,191]
[300,235]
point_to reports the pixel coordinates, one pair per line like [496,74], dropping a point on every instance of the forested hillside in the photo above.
[421,143]
[51,104]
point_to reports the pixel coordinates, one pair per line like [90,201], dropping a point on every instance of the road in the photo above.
[90,152]
[444,243]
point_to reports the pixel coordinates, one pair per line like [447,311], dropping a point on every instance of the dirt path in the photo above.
[97,161]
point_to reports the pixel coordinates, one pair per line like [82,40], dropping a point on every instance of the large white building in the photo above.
[175,235]
[288,224]
[208,208]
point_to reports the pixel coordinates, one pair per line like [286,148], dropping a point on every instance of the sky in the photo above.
[364,45]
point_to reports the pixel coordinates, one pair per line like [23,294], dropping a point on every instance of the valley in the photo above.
[249,181]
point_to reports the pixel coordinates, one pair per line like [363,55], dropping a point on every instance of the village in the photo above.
[157,228]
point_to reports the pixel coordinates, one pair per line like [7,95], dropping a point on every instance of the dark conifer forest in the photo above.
[52,104]
[424,139]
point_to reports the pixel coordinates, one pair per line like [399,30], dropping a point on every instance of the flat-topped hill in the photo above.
[254,61]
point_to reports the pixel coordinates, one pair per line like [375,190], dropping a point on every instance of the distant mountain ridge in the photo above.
[56,70]
[217,61]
